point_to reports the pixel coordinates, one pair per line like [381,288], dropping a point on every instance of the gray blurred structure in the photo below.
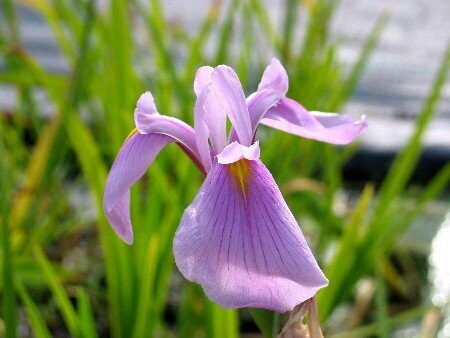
[391,91]
[397,81]
[401,71]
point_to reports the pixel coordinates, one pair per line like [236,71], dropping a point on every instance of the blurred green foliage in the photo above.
[70,272]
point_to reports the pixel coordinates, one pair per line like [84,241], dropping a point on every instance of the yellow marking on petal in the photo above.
[131,134]
[240,170]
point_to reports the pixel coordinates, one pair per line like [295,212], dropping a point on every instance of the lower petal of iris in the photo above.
[241,172]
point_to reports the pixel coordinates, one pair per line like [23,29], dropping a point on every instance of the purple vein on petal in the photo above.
[300,249]
[245,253]
[281,264]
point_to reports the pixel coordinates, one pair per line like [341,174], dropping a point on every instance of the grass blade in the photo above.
[378,238]
[371,330]
[402,168]
[266,320]
[61,297]
[37,323]
[345,257]
[87,321]
[223,322]
[9,298]
[382,307]
[404,164]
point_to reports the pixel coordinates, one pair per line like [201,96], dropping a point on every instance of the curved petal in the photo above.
[240,241]
[136,155]
[235,152]
[145,108]
[216,119]
[227,86]
[148,120]
[332,119]
[210,116]
[181,132]
[273,87]
[274,78]
[202,79]
[289,116]
[201,129]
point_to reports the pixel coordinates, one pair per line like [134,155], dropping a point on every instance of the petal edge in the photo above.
[135,156]
[246,252]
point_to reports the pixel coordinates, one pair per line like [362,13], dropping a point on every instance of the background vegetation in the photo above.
[65,273]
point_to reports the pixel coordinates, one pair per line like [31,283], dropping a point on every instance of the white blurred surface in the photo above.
[393,86]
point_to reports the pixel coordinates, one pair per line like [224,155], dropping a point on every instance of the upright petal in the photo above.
[227,86]
[240,241]
[216,118]
[202,79]
[274,78]
[145,109]
[273,87]
[210,117]
[136,155]
[201,129]
[289,116]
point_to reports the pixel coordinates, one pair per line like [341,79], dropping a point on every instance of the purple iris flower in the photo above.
[238,238]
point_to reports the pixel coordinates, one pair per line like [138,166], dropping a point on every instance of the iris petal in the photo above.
[210,115]
[145,108]
[227,86]
[240,241]
[273,87]
[201,129]
[216,119]
[291,117]
[202,79]
[148,121]
[235,152]
[136,155]
[275,78]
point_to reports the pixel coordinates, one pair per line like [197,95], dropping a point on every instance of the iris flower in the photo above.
[238,238]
